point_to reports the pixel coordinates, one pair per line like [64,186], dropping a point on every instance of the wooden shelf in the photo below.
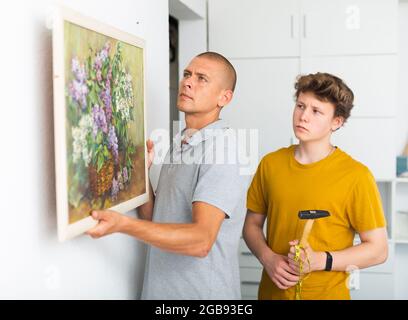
[401,180]
[401,241]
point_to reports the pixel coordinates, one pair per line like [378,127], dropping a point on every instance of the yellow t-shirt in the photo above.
[339,184]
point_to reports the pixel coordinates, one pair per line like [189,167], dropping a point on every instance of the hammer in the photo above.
[310,216]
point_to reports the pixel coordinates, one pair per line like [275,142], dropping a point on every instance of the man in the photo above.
[194,221]
[314,175]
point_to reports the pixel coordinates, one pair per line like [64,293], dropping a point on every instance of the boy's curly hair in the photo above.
[328,88]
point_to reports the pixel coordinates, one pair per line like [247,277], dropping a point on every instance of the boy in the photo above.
[314,175]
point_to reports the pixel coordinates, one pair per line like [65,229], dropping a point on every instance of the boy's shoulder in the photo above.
[352,164]
[280,154]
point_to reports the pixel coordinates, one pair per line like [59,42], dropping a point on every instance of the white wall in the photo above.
[192,32]
[402,112]
[32,263]
[401,276]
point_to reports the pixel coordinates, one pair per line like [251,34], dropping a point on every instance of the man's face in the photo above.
[314,120]
[202,87]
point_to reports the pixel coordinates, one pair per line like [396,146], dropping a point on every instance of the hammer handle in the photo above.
[306,232]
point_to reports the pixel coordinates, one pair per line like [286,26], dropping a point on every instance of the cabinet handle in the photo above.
[256,283]
[304,26]
[292,34]
[246,253]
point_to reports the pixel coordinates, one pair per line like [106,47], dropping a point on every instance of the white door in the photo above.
[370,141]
[254,28]
[373,80]
[263,100]
[339,27]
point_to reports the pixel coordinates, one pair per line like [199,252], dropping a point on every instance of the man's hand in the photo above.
[317,260]
[277,268]
[150,152]
[109,222]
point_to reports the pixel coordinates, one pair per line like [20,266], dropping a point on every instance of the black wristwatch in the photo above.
[329,261]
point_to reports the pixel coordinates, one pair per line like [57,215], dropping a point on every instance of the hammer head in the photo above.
[313,214]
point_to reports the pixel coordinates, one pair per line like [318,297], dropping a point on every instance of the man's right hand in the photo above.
[278,269]
[150,153]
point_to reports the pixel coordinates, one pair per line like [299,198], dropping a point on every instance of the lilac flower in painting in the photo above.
[125,175]
[99,119]
[115,189]
[99,75]
[120,180]
[78,69]
[107,100]
[78,90]
[101,101]
[113,143]
[100,59]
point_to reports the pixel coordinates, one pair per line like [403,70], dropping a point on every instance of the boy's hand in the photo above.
[109,222]
[277,268]
[307,255]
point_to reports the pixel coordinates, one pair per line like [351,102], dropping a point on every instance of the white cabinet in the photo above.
[376,282]
[263,100]
[370,142]
[373,80]
[254,28]
[343,27]
[373,286]
[401,211]
[250,272]
[288,28]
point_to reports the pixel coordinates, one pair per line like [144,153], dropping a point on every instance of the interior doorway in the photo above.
[174,73]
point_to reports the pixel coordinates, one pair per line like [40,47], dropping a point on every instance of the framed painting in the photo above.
[99,120]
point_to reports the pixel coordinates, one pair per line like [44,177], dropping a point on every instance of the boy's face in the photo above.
[313,120]
[202,88]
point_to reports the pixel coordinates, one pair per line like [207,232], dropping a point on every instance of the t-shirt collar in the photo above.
[201,135]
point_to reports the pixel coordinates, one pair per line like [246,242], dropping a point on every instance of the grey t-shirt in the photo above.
[182,182]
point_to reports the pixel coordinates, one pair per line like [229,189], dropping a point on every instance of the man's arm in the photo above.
[276,265]
[372,250]
[192,239]
[145,211]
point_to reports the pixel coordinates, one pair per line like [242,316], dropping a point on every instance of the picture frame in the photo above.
[99,120]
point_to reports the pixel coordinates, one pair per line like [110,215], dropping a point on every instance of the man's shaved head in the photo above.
[230,73]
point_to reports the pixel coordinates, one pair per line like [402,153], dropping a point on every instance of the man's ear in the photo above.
[337,123]
[225,98]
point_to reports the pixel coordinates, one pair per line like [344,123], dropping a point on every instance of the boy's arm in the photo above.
[254,236]
[372,250]
[276,266]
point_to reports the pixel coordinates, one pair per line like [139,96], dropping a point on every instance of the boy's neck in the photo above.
[310,152]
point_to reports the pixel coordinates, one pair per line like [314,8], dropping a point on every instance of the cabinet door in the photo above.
[373,80]
[370,141]
[254,28]
[263,100]
[372,286]
[339,27]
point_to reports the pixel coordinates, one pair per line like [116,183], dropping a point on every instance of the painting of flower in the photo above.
[104,121]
